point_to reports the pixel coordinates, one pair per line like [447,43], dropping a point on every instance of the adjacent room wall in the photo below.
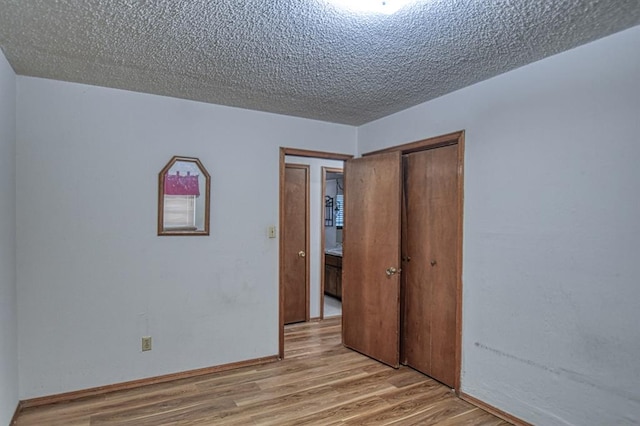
[551,231]
[315,226]
[8,303]
[93,277]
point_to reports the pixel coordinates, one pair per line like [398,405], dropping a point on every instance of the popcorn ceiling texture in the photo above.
[303,58]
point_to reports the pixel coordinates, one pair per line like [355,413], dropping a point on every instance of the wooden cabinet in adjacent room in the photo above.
[333,275]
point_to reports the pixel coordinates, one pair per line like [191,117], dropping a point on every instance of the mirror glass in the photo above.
[183,198]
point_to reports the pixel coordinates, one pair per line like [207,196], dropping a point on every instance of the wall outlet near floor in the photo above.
[146,343]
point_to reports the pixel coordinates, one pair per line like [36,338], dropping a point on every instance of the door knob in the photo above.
[301,254]
[392,271]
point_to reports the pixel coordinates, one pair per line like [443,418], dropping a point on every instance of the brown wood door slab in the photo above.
[430,262]
[295,246]
[370,297]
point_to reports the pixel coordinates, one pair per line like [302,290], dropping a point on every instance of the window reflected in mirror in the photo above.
[183,198]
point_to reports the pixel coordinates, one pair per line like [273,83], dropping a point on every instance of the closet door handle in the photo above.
[301,254]
[392,271]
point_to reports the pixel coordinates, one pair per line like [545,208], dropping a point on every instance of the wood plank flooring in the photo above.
[319,383]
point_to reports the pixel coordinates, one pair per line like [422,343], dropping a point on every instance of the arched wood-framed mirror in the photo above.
[183,197]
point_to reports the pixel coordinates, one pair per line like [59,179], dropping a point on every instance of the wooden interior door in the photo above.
[295,235]
[371,241]
[430,262]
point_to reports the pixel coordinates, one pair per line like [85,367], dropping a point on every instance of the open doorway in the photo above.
[333,220]
[316,247]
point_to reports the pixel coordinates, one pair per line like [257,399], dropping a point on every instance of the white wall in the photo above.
[551,274]
[8,316]
[93,277]
[315,226]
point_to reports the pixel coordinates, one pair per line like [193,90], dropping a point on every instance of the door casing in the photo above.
[299,153]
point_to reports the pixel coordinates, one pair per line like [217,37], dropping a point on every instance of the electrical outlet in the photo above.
[146,343]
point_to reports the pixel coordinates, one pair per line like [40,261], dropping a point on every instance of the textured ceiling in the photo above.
[298,57]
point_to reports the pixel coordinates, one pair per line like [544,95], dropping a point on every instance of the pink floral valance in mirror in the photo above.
[178,184]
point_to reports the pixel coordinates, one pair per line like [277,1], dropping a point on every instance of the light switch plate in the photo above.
[146,343]
[272,232]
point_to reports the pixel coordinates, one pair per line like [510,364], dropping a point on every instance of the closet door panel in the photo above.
[371,262]
[430,262]
[417,292]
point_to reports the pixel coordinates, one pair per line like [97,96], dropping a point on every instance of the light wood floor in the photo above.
[319,383]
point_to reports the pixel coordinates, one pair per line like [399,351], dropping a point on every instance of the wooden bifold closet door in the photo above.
[371,261]
[430,264]
[410,314]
